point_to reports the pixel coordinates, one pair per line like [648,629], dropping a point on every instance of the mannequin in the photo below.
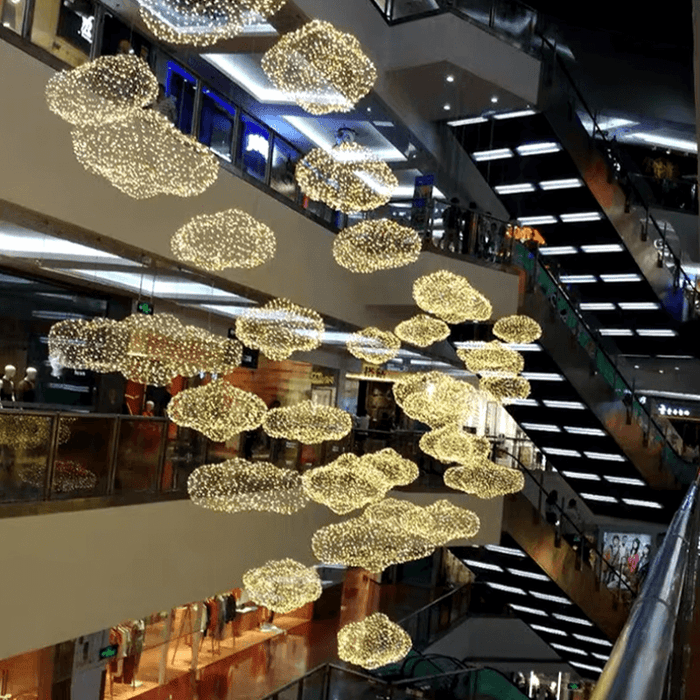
[26,389]
[7,390]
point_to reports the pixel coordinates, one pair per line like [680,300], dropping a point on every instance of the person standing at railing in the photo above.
[572,524]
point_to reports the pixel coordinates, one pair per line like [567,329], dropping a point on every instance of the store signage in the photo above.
[250,356]
[109,652]
[574,686]
[145,307]
[665,410]
[373,373]
[321,378]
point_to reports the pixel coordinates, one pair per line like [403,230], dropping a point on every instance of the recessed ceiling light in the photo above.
[574,430]
[571,650]
[656,332]
[504,550]
[605,456]
[450,78]
[543,376]
[593,640]
[494,99]
[602,248]
[467,121]
[446,106]
[493,154]
[515,189]
[586,666]
[623,277]
[581,216]
[551,403]
[552,598]
[561,452]
[636,366]
[573,620]
[623,480]
[642,504]
[539,148]
[542,427]
[581,475]
[617,332]
[529,574]
[595,305]
[558,250]
[482,565]
[638,305]
[598,497]
[525,609]
[578,279]
[565,184]
[536,220]
[514,115]
[549,630]
[507,589]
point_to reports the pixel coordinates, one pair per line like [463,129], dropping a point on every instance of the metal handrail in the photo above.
[638,664]
[435,602]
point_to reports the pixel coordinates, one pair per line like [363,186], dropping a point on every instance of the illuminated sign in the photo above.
[109,652]
[144,307]
[665,410]
[321,378]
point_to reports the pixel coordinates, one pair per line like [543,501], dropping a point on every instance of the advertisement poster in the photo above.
[629,554]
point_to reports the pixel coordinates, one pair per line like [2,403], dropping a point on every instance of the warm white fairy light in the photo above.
[485,479]
[451,444]
[517,329]
[280,328]
[376,244]
[226,239]
[67,476]
[450,522]
[505,389]
[374,642]
[373,345]
[451,297]
[24,431]
[218,409]
[237,485]
[308,423]
[198,350]
[144,155]
[397,470]
[493,358]
[101,91]
[325,70]
[422,330]
[283,585]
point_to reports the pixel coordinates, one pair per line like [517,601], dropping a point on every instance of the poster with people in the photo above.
[629,555]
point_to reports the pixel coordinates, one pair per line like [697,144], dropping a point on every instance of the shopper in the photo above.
[551,508]
[452,219]
[572,524]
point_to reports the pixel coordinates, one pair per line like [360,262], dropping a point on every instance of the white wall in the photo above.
[39,171]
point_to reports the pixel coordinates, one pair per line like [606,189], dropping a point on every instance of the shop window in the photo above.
[253,147]
[284,160]
[118,37]
[216,124]
[65,29]
[181,86]
[12,14]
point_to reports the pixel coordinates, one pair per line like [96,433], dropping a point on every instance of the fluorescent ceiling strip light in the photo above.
[621,277]
[602,657]
[515,189]
[598,497]
[593,640]
[584,431]
[580,217]
[656,332]
[676,357]
[552,403]
[565,184]
[467,121]
[617,332]
[536,220]
[670,394]
[549,630]
[561,452]
[623,480]
[558,250]
[525,609]
[551,598]
[538,149]
[507,589]
[642,504]
[529,574]
[596,306]
[515,115]
[578,279]
[638,305]
[543,376]
[543,427]
[680,144]
[578,664]
[585,476]
[525,402]
[524,347]
[602,248]
[605,456]
[495,154]
[505,550]
[482,565]
[573,620]
[571,650]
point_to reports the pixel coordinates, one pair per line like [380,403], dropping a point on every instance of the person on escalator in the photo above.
[551,508]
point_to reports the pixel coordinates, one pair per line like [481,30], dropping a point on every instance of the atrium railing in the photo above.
[639,663]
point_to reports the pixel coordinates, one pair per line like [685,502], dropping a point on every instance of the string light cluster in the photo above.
[218,409]
[485,479]
[505,389]
[226,239]
[107,89]
[98,345]
[493,358]
[24,431]
[201,351]
[517,329]
[345,484]
[376,244]
[323,69]
[397,470]
[67,476]
[450,522]
[237,485]
[422,330]
[374,642]
[64,429]
[434,398]
[283,585]
[144,155]
[451,297]
[373,345]
[350,178]
[451,444]
[280,328]
[358,542]
[307,422]
[399,515]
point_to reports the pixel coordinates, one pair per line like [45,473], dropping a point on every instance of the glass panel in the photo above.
[118,37]
[24,444]
[180,86]
[478,10]
[138,453]
[64,29]
[253,147]
[313,687]
[407,8]
[515,20]
[12,14]
[81,467]
[216,124]
[284,160]
[290,693]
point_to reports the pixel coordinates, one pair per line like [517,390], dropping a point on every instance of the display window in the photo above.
[12,14]
[181,86]
[217,122]
[65,29]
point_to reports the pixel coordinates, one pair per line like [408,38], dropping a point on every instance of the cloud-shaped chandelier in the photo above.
[493,358]
[283,585]
[323,69]
[422,330]
[218,409]
[451,297]
[450,522]
[434,398]
[237,485]
[226,239]
[349,178]
[397,470]
[373,345]
[201,351]
[485,479]
[374,642]
[307,422]
[144,155]
[107,89]
[376,244]
[280,328]
[517,329]
[505,389]
[451,444]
